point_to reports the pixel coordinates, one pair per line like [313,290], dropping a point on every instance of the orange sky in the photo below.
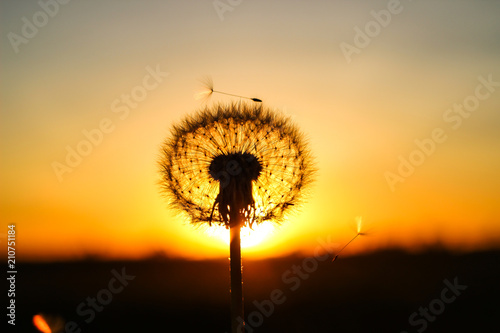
[361,112]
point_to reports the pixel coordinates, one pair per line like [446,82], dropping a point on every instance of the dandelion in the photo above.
[235,165]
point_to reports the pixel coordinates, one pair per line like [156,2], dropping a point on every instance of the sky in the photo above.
[399,101]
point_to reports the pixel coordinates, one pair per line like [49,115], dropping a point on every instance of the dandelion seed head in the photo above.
[234,157]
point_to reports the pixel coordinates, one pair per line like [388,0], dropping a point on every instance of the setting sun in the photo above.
[250,237]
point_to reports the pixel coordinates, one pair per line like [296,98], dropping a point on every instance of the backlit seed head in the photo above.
[232,159]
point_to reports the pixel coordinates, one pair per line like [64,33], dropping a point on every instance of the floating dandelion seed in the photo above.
[209,90]
[235,165]
[359,221]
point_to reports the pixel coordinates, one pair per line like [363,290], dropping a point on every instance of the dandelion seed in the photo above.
[359,221]
[209,90]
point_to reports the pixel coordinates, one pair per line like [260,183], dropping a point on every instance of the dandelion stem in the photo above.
[349,242]
[253,99]
[237,314]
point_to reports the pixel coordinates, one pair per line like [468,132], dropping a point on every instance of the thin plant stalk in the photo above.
[251,98]
[338,253]
[209,86]
[236,278]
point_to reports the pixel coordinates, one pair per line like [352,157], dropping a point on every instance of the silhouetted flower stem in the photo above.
[236,277]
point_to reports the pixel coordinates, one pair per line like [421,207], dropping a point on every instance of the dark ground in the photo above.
[370,293]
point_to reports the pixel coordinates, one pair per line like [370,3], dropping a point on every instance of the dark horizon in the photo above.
[165,255]
[375,292]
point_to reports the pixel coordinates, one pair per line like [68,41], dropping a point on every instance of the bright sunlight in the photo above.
[250,237]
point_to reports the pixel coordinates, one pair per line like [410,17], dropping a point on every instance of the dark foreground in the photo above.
[388,291]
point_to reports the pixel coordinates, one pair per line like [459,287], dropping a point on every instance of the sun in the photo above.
[250,237]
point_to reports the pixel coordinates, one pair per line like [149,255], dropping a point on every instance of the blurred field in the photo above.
[370,293]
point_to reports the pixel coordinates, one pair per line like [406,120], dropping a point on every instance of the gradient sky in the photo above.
[359,114]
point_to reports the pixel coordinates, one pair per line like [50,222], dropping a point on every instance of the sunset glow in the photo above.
[404,131]
[250,237]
